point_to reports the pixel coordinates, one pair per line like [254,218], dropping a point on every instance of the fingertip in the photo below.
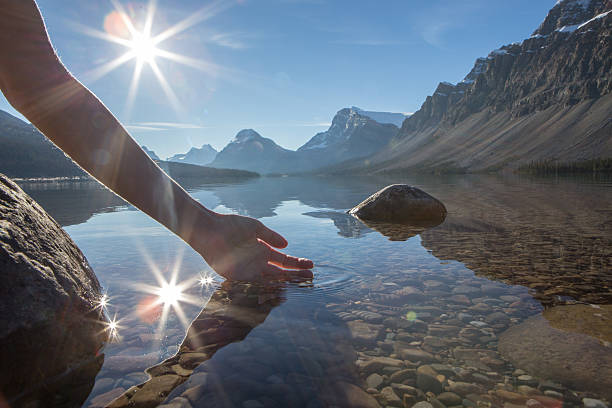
[282,243]
[306,263]
[273,238]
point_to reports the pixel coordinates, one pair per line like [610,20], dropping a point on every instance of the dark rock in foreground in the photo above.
[401,203]
[566,344]
[50,329]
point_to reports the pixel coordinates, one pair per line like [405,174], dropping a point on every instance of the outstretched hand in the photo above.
[242,248]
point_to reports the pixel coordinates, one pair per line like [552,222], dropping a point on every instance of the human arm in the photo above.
[37,84]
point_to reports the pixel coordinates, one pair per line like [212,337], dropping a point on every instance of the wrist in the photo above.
[199,229]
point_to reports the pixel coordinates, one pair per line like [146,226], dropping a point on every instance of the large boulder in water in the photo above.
[51,330]
[566,344]
[401,203]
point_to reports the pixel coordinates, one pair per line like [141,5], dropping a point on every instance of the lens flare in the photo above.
[112,327]
[103,301]
[206,280]
[170,294]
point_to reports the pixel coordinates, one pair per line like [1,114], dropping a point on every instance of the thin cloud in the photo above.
[169,125]
[274,125]
[449,16]
[138,128]
[228,40]
[370,42]
[322,124]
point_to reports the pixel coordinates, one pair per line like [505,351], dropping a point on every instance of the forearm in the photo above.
[79,124]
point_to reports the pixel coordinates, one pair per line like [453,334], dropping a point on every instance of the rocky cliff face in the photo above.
[565,61]
[550,92]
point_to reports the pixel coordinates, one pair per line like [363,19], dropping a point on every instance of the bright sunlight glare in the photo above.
[169,294]
[103,301]
[143,47]
[112,327]
[206,280]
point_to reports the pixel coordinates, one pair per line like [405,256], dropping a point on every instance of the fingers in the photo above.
[273,238]
[273,271]
[288,262]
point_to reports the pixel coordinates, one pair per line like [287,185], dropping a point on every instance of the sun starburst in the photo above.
[144,48]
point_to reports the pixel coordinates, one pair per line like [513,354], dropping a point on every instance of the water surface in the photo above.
[378,310]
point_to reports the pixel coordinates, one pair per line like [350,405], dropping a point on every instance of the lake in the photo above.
[482,310]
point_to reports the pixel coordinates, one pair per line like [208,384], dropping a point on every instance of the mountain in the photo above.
[250,151]
[545,98]
[202,156]
[26,153]
[150,153]
[393,118]
[352,134]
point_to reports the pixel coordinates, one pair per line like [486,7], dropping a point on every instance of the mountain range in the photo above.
[546,98]
[351,135]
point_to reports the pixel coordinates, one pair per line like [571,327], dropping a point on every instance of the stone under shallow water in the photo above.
[50,329]
[566,344]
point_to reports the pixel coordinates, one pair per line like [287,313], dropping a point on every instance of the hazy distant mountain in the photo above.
[393,118]
[250,151]
[151,153]
[545,98]
[202,156]
[25,152]
[350,135]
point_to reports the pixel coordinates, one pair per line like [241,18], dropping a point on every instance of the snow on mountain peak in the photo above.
[245,135]
[150,152]
[582,3]
[567,15]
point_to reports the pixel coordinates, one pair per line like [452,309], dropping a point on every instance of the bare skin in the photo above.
[37,84]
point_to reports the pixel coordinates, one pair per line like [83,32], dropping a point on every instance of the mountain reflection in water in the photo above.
[511,247]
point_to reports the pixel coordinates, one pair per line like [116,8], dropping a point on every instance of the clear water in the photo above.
[509,248]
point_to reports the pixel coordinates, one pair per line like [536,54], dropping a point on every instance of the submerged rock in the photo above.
[401,203]
[50,328]
[566,344]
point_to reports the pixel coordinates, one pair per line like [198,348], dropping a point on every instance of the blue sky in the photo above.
[281,67]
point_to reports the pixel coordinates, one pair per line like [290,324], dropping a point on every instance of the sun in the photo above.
[143,47]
